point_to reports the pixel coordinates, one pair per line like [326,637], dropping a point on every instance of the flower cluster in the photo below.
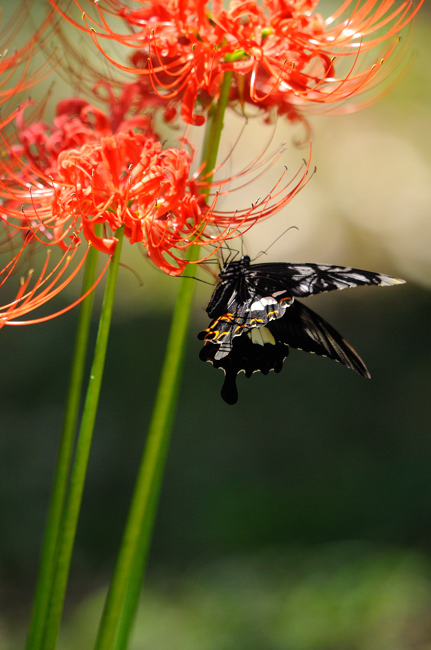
[282,53]
[90,172]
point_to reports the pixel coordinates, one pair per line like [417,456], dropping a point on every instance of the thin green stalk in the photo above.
[209,155]
[65,455]
[79,469]
[149,476]
[124,591]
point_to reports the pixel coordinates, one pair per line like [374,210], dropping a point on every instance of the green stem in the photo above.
[124,591]
[77,478]
[212,143]
[141,514]
[65,454]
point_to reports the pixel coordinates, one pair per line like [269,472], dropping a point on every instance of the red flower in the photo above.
[281,47]
[59,182]
[65,179]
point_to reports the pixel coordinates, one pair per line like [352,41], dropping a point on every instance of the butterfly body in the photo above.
[256,317]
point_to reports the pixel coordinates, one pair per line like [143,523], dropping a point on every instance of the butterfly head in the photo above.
[235,269]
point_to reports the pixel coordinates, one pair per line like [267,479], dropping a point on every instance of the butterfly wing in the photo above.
[266,348]
[256,319]
[251,352]
[254,312]
[304,280]
[303,329]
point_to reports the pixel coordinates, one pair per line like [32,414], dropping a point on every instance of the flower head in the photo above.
[279,46]
[78,173]
[61,184]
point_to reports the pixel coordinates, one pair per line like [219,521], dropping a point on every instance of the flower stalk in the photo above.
[65,457]
[124,591]
[80,463]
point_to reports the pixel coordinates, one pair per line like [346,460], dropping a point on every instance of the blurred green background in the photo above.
[299,519]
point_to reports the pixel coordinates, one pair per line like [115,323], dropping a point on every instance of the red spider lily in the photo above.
[281,46]
[58,183]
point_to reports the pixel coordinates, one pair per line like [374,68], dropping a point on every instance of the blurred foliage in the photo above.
[335,597]
[313,455]
[345,596]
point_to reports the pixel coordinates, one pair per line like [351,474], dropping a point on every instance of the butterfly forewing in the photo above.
[310,279]
[305,330]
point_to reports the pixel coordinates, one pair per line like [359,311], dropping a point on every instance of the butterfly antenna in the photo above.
[190,277]
[222,248]
[232,253]
[275,240]
[227,247]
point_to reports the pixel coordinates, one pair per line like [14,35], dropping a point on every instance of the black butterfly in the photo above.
[256,317]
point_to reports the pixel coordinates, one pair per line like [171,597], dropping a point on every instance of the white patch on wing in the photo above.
[305,286]
[263,302]
[260,336]
[359,277]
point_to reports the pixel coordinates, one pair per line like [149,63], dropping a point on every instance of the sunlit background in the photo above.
[299,519]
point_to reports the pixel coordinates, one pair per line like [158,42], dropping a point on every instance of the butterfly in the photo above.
[256,317]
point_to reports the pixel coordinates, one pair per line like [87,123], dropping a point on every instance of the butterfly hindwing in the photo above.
[248,356]
[255,312]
